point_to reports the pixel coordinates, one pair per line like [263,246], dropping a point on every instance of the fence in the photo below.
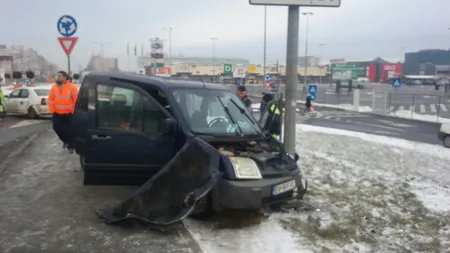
[412,105]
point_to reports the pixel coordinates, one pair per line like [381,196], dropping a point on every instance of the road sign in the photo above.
[67,26]
[67,44]
[267,77]
[312,89]
[396,82]
[239,73]
[344,72]
[227,68]
[310,3]
[267,84]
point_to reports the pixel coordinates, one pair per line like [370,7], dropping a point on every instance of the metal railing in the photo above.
[412,105]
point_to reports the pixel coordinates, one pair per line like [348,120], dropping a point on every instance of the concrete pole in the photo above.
[265,41]
[214,59]
[292,79]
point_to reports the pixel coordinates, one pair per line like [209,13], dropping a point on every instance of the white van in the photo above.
[444,134]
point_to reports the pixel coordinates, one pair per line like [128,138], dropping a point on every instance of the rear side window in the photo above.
[83,97]
[42,92]
[24,93]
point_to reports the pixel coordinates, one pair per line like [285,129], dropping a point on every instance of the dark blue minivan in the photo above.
[192,146]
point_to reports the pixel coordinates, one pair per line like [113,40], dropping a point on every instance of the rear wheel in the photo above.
[446,141]
[203,208]
[32,113]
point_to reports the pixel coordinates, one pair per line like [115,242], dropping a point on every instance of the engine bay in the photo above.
[267,154]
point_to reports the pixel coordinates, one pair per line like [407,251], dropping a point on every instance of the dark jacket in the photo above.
[247,102]
[308,101]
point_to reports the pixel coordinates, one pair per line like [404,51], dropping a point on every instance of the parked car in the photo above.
[444,134]
[29,101]
[187,139]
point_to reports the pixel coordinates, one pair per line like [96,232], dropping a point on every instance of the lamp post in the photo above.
[214,58]
[320,66]
[102,44]
[265,40]
[169,30]
[307,14]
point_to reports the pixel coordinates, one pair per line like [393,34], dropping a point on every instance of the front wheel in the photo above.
[203,208]
[446,141]
[82,162]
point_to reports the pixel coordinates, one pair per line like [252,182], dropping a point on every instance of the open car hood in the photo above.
[170,196]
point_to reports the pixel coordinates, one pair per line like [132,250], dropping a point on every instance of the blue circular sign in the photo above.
[67,26]
[267,78]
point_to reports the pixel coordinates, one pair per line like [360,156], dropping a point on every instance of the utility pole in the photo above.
[214,58]
[292,79]
[278,74]
[170,44]
[265,41]
[307,14]
[102,52]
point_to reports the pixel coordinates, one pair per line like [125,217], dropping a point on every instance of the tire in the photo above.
[446,141]
[3,114]
[82,162]
[32,113]
[203,208]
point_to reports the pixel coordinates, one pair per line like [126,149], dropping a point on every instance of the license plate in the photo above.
[284,187]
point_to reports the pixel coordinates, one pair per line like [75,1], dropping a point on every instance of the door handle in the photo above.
[100,137]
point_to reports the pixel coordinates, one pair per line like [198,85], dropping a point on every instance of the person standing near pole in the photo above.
[61,104]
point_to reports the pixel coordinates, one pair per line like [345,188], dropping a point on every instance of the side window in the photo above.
[14,94]
[83,97]
[126,109]
[24,93]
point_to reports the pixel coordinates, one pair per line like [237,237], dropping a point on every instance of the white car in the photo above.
[444,134]
[29,101]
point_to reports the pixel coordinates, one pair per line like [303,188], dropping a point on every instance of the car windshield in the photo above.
[215,112]
[42,92]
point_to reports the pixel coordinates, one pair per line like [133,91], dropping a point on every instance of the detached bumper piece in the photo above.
[170,196]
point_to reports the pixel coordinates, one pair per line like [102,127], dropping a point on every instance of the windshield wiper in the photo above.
[231,118]
[242,110]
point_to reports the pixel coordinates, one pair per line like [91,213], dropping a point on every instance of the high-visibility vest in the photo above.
[61,99]
[272,108]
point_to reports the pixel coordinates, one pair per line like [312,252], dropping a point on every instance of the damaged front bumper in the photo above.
[253,194]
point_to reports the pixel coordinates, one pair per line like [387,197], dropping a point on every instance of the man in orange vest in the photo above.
[61,104]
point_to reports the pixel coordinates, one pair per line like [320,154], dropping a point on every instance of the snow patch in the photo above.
[424,117]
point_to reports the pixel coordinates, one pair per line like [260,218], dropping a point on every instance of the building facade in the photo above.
[424,62]
[107,64]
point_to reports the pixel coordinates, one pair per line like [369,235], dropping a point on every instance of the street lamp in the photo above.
[214,59]
[265,40]
[307,14]
[169,30]
[102,44]
[320,66]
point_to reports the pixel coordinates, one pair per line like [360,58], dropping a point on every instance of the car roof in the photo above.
[160,82]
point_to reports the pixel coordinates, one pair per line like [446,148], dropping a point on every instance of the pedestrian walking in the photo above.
[308,103]
[61,104]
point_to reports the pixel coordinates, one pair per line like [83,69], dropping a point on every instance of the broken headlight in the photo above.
[245,168]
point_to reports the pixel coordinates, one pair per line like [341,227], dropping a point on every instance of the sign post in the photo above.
[396,83]
[228,69]
[67,26]
[291,60]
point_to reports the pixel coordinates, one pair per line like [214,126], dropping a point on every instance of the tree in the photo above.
[76,76]
[17,75]
[7,76]
[29,74]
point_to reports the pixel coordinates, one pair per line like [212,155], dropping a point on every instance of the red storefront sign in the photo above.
[390,71]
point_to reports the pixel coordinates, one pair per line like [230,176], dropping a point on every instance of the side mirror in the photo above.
[168,126]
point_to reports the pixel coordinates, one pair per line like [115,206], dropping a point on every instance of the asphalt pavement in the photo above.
[46,208]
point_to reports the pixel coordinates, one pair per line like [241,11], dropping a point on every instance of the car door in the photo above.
[170,196]
[123,135]
[12,101]
[23,101]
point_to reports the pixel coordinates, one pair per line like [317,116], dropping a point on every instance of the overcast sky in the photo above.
[358,30]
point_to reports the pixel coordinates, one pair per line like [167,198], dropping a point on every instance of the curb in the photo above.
[25,143]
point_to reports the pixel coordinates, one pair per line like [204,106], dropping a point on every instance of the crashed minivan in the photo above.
[192,146]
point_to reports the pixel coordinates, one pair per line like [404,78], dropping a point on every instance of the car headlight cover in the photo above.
[245,168]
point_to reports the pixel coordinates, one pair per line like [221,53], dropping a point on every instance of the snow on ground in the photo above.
[372,194]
